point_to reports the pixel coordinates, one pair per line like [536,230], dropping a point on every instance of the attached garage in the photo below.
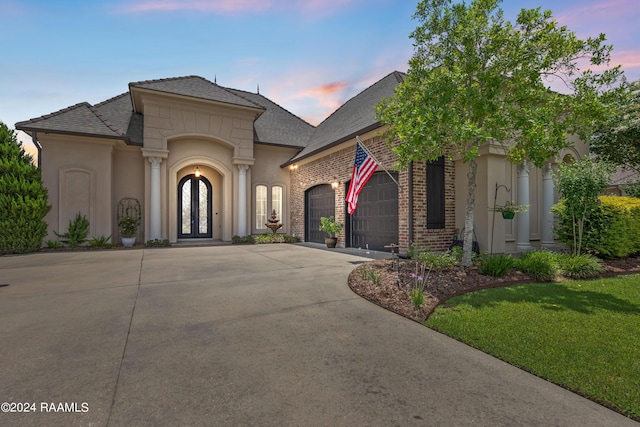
[319,201]
[375,221]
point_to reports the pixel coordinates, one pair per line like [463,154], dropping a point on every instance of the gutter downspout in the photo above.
[34,139]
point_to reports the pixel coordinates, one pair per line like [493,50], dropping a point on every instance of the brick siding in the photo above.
[338,166]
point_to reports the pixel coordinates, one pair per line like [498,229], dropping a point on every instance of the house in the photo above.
[211,162]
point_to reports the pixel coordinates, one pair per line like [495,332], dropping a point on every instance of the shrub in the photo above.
[437,261]
[23,198]
[158,242]
[77,231]
[272,238]
[99,241]
[612,230]
[541,265]
[496,265]
[579,266]
[53,244]
[237,240]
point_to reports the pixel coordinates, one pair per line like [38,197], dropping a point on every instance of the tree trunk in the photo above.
[468,220]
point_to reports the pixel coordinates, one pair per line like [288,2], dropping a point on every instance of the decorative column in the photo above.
[155,217]
[547,203]
[242,200]
[523,240]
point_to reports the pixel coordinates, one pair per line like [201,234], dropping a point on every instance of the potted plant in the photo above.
[331,227]
[509,209]
[129,218]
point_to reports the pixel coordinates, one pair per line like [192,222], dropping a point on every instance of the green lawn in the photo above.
[582,335]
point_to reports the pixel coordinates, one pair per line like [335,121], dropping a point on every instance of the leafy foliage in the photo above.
[541,265]
[583,266]
[129,216]
[330,226]
[77,231]
[158,242]
[237,240]
[473,80]
[275,238]
[580,185]
[23,198]
[100,241]
[617,140]
[496,265]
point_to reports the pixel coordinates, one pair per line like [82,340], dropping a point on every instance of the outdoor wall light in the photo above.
[293,167]
[335,185]
[196,171]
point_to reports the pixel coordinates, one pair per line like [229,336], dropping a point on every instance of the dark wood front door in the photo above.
[194,207]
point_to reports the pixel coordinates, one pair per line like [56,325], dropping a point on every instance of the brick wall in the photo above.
[338,166]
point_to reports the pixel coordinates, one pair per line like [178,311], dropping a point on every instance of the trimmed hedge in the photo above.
[612,230]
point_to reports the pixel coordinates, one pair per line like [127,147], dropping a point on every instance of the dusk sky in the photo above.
[309,56]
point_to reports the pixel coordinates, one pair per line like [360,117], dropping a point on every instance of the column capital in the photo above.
[523,169]
[243,168]
[151,152]
[155,161]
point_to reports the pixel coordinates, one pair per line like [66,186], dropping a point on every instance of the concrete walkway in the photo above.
[242,335]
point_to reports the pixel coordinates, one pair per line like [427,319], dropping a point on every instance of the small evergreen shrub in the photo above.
[579,266]
[158,242]
[496,265]
[23,198]
[238,240]
[77,231]
[435,261]
[541,265]
[53,244]
[273,238]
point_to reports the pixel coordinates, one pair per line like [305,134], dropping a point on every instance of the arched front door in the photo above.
[194,207]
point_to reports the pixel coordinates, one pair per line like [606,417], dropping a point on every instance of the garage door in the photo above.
[319,201]
[375,221]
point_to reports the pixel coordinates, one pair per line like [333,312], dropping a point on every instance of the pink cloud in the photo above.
[212,6]
[233,6]
[599,11]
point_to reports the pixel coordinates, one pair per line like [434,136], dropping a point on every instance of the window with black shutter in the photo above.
[435,194]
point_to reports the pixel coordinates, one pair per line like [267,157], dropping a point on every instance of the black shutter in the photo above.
[435,194]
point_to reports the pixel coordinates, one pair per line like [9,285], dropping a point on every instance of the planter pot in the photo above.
[331,241]
[127,242]
[508,215]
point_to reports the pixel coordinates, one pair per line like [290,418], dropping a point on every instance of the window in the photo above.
[435,194]
[268,201]
[261,206]
[276,201]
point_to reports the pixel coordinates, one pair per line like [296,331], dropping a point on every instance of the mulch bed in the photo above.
[394,289]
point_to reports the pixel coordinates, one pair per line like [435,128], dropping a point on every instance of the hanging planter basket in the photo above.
[508,214]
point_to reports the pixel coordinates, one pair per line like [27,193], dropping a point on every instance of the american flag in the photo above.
[363,167]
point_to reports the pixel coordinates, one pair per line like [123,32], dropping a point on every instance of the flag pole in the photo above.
[376,160]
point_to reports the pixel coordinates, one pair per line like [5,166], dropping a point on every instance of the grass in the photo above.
[582,335]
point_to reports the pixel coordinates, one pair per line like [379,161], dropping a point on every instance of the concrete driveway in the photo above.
[241,335]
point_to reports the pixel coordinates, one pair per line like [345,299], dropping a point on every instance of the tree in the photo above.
[617,140]
[580,184]
[23,198]
[475,78]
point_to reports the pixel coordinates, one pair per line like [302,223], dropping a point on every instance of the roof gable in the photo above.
[354,117]
[193,87]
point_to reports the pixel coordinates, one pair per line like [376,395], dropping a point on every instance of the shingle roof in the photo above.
[115,118]
[277,125]
[194,87]
[80,119]
[356,116]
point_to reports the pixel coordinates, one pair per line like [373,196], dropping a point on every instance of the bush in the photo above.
[77,231]
[158,242]
[275,238]
[23,198]
[496,265]
[579,266]
[237,240]
[541,265]
[612,230]
[100,241]
[437,261]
